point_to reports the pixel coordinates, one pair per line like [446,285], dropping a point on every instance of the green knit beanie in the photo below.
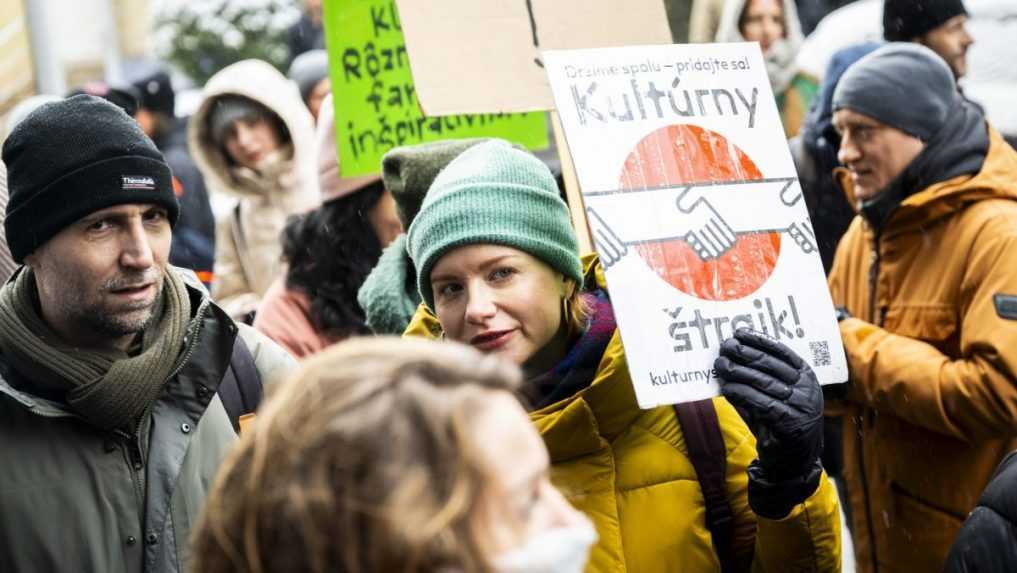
[493,194]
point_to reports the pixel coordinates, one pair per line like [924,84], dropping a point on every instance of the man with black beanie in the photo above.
[936,24]
[926,282]
[121,384]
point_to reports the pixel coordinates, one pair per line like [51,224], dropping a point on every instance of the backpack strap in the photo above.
[241,389]
[705,443]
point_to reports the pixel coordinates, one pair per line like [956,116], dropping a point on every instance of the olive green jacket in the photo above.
[76,498]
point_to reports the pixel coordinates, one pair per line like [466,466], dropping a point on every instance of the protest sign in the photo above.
[475,56]
[695,209]
[375,98]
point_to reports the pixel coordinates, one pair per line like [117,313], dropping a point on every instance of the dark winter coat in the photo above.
[76,498]
[988,541]
[194,234]
[303,36]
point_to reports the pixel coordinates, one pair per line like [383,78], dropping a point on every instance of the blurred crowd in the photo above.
[200,369]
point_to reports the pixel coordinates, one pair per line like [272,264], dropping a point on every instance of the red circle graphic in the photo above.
[682,154]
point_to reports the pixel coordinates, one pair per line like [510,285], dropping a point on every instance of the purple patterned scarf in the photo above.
[579,366]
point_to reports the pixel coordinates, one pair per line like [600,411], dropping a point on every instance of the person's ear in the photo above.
[32,259]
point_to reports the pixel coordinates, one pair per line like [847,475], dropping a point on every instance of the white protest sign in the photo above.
[695,209]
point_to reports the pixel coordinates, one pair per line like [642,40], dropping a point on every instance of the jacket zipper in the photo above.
[136,465]
[875,314]
[865,421]
[192,337]
[135,448]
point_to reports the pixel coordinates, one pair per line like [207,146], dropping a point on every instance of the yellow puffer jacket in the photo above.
[933,362]
[628,470]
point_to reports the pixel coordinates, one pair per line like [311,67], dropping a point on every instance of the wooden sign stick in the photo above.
[573,195]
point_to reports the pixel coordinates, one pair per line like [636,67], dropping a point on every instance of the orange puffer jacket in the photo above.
[932,355]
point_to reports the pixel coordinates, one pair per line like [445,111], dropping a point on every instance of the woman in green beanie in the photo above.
[499,269]
[389,295]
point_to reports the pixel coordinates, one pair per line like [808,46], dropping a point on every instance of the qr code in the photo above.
[820,352]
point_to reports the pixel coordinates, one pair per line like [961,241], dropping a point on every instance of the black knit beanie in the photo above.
[155,92]
[73,157]
[904,20]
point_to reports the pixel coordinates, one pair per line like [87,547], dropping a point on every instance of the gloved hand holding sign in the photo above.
[780,399]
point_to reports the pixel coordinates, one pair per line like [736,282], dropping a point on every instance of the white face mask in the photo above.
[561,550]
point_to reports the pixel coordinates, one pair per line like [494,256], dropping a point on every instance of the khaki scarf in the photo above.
[109,391]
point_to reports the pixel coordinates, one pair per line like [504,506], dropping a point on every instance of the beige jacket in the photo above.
[248,251]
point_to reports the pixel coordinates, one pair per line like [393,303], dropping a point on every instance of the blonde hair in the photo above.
[359,462]
[576,312]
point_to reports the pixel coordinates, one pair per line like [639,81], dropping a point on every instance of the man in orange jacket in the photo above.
[926,278]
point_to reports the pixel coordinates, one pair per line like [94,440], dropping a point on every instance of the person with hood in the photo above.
[814,151]
[389,295]
[499,269]
[926,278]
[253,139]
[987,543]
[774,24]
[329,251]
[194,236]
[377,457]
[117,375]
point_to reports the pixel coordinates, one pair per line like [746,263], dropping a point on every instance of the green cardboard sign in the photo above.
[375,100]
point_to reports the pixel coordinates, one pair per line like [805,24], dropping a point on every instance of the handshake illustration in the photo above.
[685,213]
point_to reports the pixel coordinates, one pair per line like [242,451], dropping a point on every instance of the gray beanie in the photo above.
[906,86]
[307,71]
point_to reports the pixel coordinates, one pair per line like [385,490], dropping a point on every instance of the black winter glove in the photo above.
[780,399]
[842,313]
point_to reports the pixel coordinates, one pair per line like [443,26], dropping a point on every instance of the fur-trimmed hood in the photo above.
[262,83]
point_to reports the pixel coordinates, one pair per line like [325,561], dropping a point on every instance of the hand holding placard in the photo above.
[779,397]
